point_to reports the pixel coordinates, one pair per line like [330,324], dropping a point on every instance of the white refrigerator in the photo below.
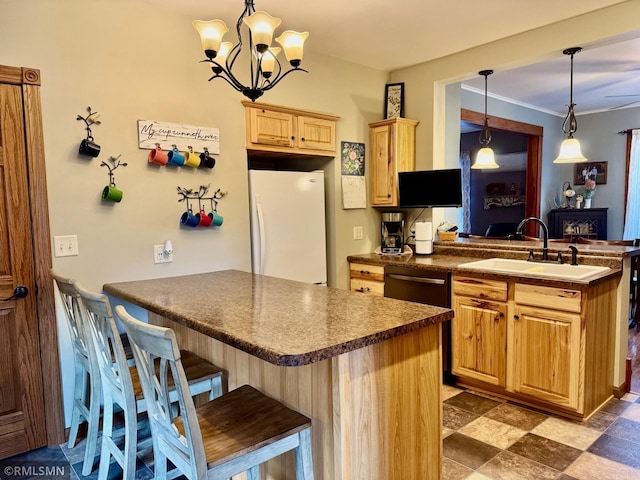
[288,237]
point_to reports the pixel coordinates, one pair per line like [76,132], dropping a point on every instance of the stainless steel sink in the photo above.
[555,270]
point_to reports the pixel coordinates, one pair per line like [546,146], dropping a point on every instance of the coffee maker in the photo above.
[392,232]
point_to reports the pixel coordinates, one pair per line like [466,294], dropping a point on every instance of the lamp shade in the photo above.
[262,26]
[268,62]
[570,152]
[485,159]
[211,34]
[293,45]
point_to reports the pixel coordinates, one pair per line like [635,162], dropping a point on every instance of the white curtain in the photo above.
[632,216]
[464,213]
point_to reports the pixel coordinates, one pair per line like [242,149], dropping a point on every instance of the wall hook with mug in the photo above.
[111,193]
[201,218]
[87,146]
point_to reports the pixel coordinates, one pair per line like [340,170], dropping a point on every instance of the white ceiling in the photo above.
[388,35]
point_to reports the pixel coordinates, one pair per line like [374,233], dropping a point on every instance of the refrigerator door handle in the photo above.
[261,234]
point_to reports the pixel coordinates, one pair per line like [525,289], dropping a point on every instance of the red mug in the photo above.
[205,220]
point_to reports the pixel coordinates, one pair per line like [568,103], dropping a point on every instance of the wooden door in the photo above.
[546,354]
[479,340]
[22,415]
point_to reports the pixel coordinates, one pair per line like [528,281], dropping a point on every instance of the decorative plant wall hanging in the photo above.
[201,219]
[110,192]
[88,146]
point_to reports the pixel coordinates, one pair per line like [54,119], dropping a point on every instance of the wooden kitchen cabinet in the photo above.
[367,279]
[275,129]
[393,150]
[545,346]
[479,333]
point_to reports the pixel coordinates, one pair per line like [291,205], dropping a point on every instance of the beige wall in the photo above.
[130,61]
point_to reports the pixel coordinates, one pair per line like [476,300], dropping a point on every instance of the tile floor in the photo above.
[488,438]
[484,438]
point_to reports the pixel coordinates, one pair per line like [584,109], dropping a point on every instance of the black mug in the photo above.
[89,147]
[207,161]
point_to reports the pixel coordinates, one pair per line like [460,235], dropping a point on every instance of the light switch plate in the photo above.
[65,245]
[357,233]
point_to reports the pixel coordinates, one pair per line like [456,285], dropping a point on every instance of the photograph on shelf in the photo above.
[394,100]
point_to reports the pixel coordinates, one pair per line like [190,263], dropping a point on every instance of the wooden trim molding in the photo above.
[534,156]
[29,79]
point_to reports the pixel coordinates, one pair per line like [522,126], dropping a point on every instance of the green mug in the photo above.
[111,193]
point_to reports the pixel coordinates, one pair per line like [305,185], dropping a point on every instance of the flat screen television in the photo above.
[430,188]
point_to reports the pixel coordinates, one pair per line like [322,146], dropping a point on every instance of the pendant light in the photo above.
[570,147]
[485,158]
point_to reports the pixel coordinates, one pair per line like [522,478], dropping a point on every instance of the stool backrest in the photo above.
[109,351]
[150,342]
[73,313]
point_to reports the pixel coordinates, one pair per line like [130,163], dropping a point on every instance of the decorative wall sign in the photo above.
[151,133]
[394,100]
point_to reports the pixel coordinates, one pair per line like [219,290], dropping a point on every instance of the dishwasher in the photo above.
[427,286]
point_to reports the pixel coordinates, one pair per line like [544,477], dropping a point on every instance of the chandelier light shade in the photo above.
[485,158]
[255,30]
[570,147]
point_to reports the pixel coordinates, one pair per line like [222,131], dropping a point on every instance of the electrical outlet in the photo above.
[357,233]
[159,255]
[65,245]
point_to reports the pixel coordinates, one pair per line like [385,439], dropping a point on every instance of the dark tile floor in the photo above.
[488,438]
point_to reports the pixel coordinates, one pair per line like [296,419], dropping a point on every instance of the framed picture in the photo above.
[590,171]
[394,100]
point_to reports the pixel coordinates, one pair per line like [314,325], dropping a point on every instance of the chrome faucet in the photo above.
[545,233]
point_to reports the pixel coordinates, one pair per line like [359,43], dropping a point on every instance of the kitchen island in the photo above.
[366,370]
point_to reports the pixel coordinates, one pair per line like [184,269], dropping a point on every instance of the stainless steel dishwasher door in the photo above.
[421,285]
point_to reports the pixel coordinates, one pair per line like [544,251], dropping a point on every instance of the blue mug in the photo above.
[175,157]
[188,218]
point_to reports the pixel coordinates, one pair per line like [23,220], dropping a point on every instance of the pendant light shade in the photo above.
[485,158]
[570,148]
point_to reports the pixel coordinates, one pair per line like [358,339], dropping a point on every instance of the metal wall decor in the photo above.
[88,147]
[110,193]
[202,218]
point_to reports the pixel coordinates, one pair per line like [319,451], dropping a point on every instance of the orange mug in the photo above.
[158,156]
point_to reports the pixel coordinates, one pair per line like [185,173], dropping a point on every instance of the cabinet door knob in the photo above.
[364,289]
[388,195]
[516,317]
[293,137]
[302,139]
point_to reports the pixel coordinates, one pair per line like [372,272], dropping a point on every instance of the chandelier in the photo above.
[570,147]
[485,158]
[265,70]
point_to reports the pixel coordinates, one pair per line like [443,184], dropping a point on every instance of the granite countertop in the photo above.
[283,322]
[448,256]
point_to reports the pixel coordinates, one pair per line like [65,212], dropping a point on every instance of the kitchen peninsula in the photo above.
[366,370]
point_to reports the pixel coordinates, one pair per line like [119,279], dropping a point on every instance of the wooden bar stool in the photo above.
[87,375]
[120,384]
[229,435]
